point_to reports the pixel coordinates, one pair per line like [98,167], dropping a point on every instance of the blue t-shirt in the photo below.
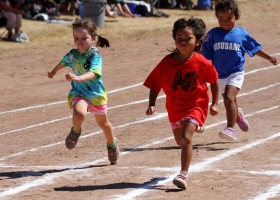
[227,48]
[92,90]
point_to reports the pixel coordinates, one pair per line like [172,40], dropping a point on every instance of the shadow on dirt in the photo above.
[21,174]
[207,147]
[122,185]
[210,146]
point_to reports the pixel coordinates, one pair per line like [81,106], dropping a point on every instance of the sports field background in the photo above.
[35,120]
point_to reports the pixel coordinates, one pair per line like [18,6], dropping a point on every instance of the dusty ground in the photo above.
[35,120]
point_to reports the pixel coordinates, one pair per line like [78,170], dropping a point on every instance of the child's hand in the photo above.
[51,74]
[214,109]
[151,110]
[273,60]
[71,76]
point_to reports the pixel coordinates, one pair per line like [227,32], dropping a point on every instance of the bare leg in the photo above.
[183,137]
[79,113]
[121,11]
[127,10]
[106,126]
[230,103]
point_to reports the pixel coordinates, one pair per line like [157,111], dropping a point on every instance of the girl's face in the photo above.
[185,41]
[226,20]
[82,39]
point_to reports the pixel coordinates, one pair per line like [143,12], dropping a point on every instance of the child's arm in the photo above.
[215,97]
[152,102]
[55,70]
[84,77]
[264,55]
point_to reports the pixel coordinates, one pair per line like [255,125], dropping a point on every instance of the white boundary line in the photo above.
[157,116]
[198,167]
[49,178]
[118,90]
[40,181]
[59,102]
[123,105]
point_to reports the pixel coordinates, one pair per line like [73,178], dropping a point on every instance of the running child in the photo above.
[226,47]
[183,75]
[88,93]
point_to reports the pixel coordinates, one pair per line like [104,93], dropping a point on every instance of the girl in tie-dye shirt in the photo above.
[88,92]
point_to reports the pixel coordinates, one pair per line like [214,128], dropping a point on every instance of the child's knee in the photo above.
[104,124]
[184,141]
[79,115]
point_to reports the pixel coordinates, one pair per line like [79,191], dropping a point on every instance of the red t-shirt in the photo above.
[184,85]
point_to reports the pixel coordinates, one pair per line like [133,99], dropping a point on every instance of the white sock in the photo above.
[184,173]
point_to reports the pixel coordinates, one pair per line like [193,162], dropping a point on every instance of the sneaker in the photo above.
[180,181]
[113,154]
[242,123]
[228,134]
[200,129]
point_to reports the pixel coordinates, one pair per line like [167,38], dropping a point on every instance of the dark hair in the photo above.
[227,5]
[90,26]
[196,24]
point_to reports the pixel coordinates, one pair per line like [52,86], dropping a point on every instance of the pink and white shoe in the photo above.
[242,122]
[228,133]
[181,181]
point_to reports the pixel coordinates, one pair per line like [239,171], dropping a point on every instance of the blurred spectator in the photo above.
[11,10]
[109,12]
[69,7]
[121,7]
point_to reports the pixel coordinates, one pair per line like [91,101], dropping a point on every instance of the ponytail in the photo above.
[103,42]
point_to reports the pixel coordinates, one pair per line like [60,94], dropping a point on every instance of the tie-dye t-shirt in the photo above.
[93,90]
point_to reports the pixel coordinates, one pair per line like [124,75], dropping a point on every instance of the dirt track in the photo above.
[35,120]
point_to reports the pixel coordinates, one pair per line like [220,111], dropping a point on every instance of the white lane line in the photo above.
[117,90]
[197,167]
[69,117]
[268,194]
[154,117]
[261,69]
[128,104]
[49,178]
[59,102]
[261,172]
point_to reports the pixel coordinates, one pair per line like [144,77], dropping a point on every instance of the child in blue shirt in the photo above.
[226,46]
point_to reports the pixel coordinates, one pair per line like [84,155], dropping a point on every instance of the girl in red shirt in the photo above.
[183,75]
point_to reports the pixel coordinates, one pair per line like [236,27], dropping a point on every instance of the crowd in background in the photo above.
[12,11]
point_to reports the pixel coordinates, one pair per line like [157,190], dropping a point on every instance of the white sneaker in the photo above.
[180,181]
[228,134]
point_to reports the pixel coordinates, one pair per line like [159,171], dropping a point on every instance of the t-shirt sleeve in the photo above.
[212,74]
[155,79]
[96,64]
[250,45]
[207,47]
[68,60]
[153,82]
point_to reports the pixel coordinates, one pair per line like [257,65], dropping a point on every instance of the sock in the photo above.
[184,173]
[75,132]
[112,146]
